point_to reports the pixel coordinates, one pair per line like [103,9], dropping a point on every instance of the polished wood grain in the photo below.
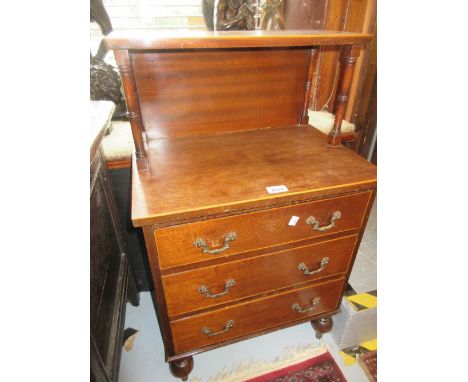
[361,17]
[254,315]
[176,244]
[334,19]
[255,275]
[162,310]
[198,176]
[366,110]
[159,298]
[351,54]
[258,333]
[138,39]
[198,92]
[313,55]
[134,114]
[115,164]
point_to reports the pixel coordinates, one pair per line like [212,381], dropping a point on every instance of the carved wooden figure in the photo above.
[252,218]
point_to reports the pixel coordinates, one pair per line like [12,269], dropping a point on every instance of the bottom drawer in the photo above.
[238,320]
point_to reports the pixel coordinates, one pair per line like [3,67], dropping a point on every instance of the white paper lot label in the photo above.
[277,189]
[294,220]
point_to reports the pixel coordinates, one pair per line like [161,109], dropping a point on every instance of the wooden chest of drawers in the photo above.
[252,219]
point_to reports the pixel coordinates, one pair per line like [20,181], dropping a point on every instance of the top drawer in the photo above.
[223,237]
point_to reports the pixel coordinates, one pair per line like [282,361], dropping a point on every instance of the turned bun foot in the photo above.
[181,368]
[322,325]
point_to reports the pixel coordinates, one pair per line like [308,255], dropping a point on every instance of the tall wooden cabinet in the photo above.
[252,218]
[111,281]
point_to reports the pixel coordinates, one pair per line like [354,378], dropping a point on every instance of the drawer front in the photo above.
[242,319]
[186,243]
[211,286]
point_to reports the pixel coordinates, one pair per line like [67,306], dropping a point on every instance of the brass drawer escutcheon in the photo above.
[207,331]
[323,263]
[315,224]
[203,289]
[298,308]
[200,243]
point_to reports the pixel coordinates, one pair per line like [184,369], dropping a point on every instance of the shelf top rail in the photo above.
[162,40]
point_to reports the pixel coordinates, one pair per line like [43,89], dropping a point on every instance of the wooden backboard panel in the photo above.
[192,92]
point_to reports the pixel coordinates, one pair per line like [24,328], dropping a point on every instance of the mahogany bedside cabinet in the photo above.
[252,218]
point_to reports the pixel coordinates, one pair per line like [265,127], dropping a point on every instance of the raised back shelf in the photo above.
[188,83]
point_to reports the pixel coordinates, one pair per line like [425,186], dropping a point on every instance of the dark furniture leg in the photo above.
[181,368]
[133,296]
[322,326]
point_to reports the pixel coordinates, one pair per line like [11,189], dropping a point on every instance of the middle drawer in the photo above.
[201,288]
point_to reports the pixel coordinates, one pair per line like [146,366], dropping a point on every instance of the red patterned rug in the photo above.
[368,362]
[322,368]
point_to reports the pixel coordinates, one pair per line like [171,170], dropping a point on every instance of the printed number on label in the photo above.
[276,189]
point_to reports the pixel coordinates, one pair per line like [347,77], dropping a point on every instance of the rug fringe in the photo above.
[251,368]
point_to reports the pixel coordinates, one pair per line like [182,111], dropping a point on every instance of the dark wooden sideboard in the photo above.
[111,282]
[252,218]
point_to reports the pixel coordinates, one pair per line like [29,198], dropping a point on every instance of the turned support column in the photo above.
[304,119]
[181,368]
[322,326]
[346,77]
[134,114]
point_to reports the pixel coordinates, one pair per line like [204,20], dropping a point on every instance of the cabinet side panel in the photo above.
[159,299]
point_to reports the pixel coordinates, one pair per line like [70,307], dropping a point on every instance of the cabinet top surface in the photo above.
[154,39]
[100,117]
[217,174]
